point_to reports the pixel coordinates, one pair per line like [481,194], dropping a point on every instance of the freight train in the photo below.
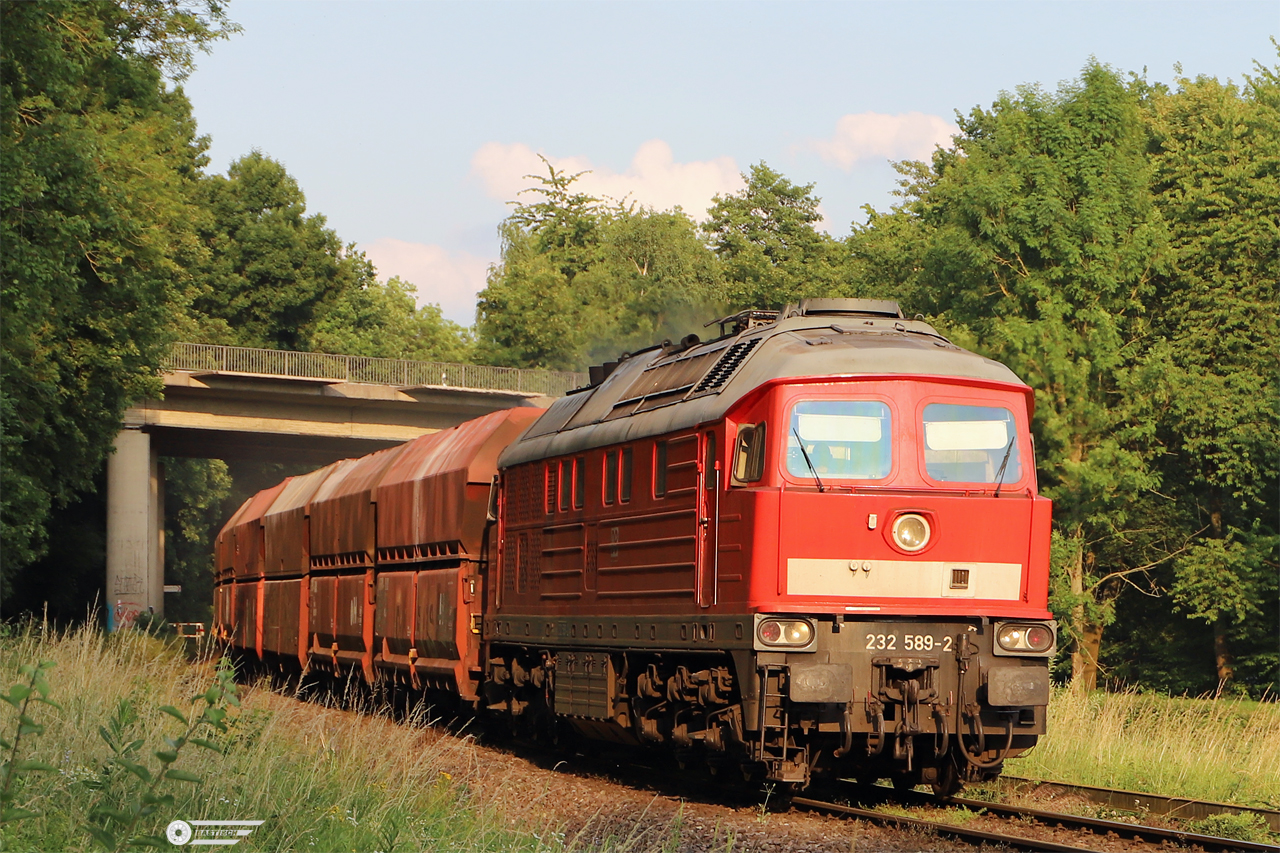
[811,547]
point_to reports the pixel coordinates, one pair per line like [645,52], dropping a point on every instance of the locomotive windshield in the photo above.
[844,439]
[970,444]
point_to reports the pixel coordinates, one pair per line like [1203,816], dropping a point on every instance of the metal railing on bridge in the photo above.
[374,371]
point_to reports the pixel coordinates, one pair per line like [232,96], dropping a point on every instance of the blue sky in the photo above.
[409,124]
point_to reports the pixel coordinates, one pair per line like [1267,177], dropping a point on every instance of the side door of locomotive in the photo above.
[709,488]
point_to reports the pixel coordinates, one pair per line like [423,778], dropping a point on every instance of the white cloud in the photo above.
[862,136]
[654,178]
[449,278]
[824,221]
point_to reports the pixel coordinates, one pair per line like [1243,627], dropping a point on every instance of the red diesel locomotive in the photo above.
[810,546]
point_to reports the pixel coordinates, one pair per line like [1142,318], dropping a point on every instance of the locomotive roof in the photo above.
[663,389]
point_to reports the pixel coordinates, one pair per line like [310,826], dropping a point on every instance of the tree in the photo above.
[658,276]
[884,256]
[195,496]
[582,279]
[764,235]
[99,155]
[1216,153]
[381,319]
[528,314]
[1044,250]
[271,266]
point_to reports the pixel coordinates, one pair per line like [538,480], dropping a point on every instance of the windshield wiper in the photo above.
[1003,463]
[807,461]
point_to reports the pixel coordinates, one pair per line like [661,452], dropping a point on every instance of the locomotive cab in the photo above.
[899,598]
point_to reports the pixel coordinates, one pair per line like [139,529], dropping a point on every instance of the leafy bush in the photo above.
[1243,826]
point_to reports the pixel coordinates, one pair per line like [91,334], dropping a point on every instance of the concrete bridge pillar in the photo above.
[135,530]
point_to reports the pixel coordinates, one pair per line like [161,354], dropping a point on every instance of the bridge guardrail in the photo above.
[373,371]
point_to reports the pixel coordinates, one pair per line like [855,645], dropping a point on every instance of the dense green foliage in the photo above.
[1216,155]
[582,280]
[1116,244]
[273,276]
[99,157]
[115,244]
[1044,244]
[765,236]
[1113,241]
[270,265]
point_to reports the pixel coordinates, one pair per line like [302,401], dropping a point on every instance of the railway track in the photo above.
[1182,808]
[1145,834]
[629,772]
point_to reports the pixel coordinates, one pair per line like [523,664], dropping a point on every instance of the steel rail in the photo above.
[1137,801]
[962,833]
[1138,832]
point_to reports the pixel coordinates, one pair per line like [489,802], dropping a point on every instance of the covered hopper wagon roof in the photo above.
[238,545]
[422,493]
[421,487]
[673,387]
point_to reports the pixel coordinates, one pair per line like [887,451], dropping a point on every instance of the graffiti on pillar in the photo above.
[124,614]
[128,583]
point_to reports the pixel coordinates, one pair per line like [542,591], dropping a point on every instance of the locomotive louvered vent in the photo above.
[728,364]
[664,383]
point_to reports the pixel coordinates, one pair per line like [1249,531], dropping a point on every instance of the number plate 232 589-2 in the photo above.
[908,642]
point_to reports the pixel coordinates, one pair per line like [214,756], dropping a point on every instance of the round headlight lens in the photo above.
[911,532]
[1011,637]
[1039,638]
[796,633]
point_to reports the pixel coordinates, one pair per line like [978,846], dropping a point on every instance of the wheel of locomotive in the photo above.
[948,781]
[867,778]
[906,781]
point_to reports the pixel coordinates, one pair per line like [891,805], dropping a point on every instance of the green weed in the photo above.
[1244,827]
[34,688]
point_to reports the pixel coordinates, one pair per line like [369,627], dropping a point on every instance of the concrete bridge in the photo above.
[314,408]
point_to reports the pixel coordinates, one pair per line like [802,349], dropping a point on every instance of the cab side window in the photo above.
[748,458]
[660,469]
[626,475]
[610,476]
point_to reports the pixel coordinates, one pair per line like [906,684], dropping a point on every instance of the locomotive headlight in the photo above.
[1035,639]
[911,532]
[785,632]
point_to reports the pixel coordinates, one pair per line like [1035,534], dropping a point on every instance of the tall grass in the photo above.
[320,778]
[1227,750]
[328,780]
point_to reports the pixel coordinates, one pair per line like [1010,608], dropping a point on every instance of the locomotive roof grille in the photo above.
[728,364]
[666,380]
